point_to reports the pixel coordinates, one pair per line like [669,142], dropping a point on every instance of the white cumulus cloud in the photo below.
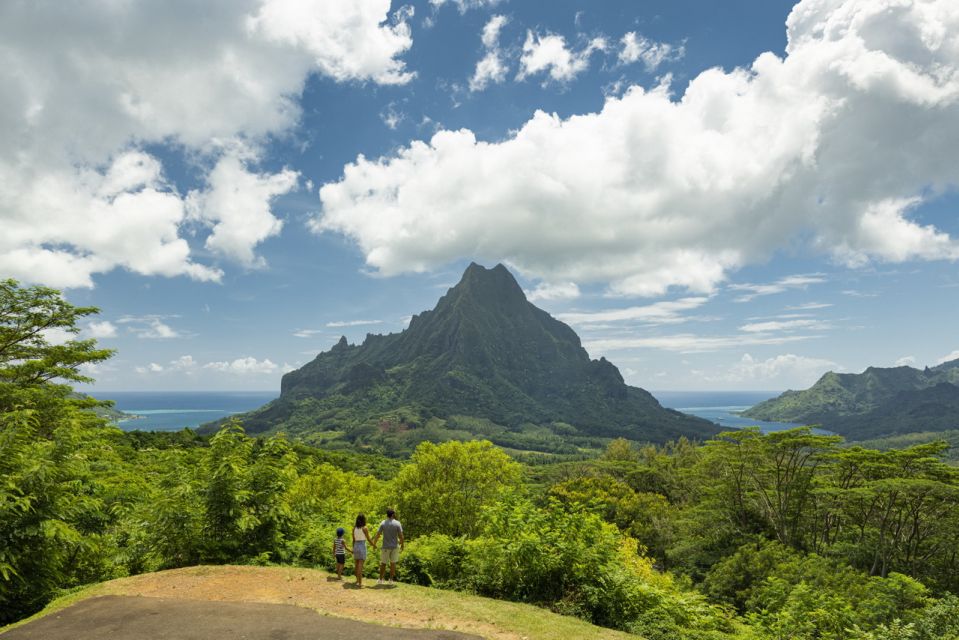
[549,54]
[188,365]
[831,146]
[183,363]
[553,291]
[100,330]
[492,66]
[344,40]
[391,116]
[236,204]
[243,366]
[149,327]
[949,357]
[791,369]
[85,87]
[638,48]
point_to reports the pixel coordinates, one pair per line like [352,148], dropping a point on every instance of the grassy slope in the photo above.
[405,606]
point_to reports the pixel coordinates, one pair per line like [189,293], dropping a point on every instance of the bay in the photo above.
[175,410]
[723,407]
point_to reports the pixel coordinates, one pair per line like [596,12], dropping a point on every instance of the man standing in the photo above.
[392,532]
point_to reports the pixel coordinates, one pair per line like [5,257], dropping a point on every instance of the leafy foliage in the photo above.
[570,560]
[444,486]
[28,315]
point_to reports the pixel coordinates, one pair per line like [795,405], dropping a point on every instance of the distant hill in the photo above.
[875,403]
[484,362]
[103,409]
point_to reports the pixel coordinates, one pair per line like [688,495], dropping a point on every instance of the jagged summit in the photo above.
[496,285]
[485,323]
[484,289]
[483,351]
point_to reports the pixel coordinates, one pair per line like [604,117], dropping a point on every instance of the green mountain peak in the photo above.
[483,352]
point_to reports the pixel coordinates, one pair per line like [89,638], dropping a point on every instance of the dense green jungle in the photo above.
[743,535]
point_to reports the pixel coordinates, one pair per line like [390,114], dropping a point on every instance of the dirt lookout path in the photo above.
[135,618]
[261,603]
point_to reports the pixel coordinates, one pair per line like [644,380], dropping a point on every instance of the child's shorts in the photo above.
[341,558]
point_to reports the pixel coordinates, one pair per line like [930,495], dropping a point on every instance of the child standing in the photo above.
[339,552]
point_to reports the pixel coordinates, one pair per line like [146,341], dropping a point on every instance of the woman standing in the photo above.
[360,537]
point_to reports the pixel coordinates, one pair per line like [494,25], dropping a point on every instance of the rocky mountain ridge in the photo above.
[485,361]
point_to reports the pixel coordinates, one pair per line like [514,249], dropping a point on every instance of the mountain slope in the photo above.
[876,402]
[484,361]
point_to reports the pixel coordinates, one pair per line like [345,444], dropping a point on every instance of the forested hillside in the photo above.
[875,403]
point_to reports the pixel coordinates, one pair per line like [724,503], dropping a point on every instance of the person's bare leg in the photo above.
[382,571]
[359,572]
[392,571]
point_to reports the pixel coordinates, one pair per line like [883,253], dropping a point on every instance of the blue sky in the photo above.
[711,198]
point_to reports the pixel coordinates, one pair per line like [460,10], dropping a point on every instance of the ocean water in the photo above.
[721,407]
[175,410]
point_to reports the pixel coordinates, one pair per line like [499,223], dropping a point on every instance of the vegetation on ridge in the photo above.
[875,403]
[754,536]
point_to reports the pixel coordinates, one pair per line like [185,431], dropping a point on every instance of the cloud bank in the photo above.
[85,88]
[796,370]
[832,146]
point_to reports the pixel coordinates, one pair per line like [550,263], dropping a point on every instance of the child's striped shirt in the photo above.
[339,547]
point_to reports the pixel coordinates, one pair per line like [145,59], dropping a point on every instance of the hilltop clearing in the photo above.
[402,606]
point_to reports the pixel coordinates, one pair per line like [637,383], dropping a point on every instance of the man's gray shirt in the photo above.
[391,530]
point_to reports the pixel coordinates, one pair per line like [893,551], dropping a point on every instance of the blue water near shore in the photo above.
[721,407]
[175,410]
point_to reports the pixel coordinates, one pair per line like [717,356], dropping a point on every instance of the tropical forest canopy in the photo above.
[743,535]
